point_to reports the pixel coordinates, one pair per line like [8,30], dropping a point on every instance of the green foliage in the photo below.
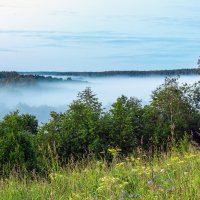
[85,128]
[169,114]
[14,122]
[17,152]
[75,132]
[16,79]
[174,176]
[126,124]
[17,148]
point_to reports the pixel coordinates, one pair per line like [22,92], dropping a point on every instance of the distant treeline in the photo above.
[9,78]
[192,71]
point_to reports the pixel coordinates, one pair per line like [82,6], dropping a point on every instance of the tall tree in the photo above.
[126,120]
[169,111]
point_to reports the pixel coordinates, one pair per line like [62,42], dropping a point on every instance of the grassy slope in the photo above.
[175,176]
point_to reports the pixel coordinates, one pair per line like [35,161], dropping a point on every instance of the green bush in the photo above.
[17,152]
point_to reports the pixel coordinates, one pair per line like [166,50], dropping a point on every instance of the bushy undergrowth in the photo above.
[167,176]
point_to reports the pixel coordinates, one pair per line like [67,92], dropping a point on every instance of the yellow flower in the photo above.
[174,158]
[120,164]
[180,162]
[162,170]
[190,156]
[134,170]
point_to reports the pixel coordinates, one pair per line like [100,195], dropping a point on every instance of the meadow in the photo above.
[173,175]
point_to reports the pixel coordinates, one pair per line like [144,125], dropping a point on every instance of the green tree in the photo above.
[192,93]
[17,149]
[14,122]
[169,113]
[76,130]
[80,124]
[17,152]
[48,139]
[126,120]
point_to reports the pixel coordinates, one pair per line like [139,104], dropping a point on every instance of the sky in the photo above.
[98,35]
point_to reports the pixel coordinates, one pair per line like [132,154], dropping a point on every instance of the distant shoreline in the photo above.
[192,71]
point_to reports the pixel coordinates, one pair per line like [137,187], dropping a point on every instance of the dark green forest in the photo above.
[14,78]
[189,71]
[86,128]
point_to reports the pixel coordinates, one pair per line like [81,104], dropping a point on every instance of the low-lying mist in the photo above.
[43,98]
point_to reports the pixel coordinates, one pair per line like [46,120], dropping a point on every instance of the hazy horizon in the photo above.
[42,98]
[100,35]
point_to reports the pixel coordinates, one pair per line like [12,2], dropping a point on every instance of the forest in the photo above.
[14,78]
[172,72]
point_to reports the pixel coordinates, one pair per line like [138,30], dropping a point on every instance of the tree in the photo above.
[17,151]
[169,113]
[126,120]
[14,122]
[192,93]
[17,142]
[80,124]
[49,136]
[76,130]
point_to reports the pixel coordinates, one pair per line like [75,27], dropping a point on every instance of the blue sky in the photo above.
[98,35]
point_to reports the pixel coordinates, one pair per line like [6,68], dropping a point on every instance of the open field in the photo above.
[174,176]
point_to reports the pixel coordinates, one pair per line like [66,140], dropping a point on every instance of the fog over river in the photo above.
[43,98]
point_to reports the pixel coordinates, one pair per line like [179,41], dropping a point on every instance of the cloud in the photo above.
[175,21]
[104,48]
[8,50]
[63,12]
[7,6]
[63,39]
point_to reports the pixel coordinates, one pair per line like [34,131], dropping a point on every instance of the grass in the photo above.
[175,176]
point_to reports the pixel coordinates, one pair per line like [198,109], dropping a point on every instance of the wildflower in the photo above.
[190,156]
[132,159]
[100,188]
[180,162]
[132,196]
[135,196]
[171,189]
[123,193]
[120,164]
[150,182]
[135,170]
[174,158]
[162,170]
[114,152]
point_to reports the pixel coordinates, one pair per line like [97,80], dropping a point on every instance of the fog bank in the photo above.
[43,98]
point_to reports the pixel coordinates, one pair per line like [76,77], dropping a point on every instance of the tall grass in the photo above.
[167,176]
